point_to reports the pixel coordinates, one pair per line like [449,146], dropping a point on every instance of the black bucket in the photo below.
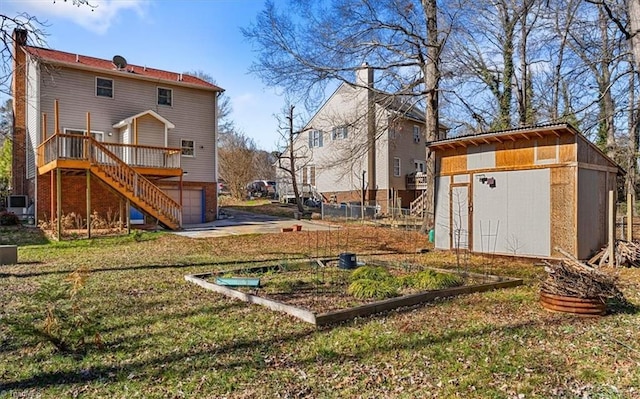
[347,261]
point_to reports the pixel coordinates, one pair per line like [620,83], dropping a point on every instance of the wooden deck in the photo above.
[126,168]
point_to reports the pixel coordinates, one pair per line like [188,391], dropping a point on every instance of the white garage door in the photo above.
[191,204]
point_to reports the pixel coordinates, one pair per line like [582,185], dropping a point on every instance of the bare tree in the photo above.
[288,159]
[312,44]
[237,162]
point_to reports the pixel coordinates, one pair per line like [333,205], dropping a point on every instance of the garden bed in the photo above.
[319,292]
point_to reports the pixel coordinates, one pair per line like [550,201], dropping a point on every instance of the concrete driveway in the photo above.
[238,223]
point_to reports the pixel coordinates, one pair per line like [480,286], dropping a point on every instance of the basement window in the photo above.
[104,87]
[188,148]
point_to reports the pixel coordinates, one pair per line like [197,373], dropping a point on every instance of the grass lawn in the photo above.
[148,333]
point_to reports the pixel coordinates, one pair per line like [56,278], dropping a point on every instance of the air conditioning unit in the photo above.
[18,204]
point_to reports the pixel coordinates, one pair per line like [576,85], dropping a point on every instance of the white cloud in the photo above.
[97,18]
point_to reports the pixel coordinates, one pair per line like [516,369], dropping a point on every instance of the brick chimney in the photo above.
[18,167]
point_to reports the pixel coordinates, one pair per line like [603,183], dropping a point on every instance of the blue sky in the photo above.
[176,36]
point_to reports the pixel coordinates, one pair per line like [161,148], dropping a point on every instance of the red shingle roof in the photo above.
[83,62]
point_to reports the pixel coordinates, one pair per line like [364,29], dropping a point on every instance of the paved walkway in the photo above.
[238,223]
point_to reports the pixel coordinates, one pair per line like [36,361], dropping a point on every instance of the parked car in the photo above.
[262,188]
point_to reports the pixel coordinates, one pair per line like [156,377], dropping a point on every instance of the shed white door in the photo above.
[460,216]
[191,204]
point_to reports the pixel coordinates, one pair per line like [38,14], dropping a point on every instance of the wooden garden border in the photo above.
[338,316]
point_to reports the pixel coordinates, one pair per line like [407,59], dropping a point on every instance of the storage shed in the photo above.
[523,192]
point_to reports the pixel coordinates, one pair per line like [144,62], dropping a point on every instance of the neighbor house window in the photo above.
[165,96]
[416,134]
[188,148]
[419,166]
[104,87]
[339,133]
[396,167]
[315,138]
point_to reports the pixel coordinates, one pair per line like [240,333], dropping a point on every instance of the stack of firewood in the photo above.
[626,253]
[570,277]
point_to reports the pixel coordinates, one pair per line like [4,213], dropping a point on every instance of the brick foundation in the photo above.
[105,201]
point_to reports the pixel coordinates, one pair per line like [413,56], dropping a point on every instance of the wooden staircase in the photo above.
[139,190]
[418,206]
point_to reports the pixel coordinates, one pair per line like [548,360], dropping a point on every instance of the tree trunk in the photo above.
[431,78]
[634,24]
[630,178]
[608,107]
[292,164]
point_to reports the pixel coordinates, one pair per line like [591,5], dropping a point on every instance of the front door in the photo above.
[460,216]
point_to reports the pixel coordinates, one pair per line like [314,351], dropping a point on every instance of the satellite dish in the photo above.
[119,61]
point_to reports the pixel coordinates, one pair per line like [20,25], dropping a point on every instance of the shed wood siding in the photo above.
[193,111]
[592,211]
[563,209]
[589,155]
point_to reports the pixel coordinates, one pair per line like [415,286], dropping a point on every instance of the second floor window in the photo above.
[315,138]
[188,148]
[396,167]
[416,134]
[339,133]
[165,96]
[104,87]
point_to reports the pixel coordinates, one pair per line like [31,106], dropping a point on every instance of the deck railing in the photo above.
[146,156]
[417,181]
[73,146]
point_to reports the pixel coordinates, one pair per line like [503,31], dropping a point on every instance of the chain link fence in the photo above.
[353,212]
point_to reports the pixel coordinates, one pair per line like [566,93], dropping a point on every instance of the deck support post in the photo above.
[88,203]
[128,216]
[59,202]
[120,213]
[52,199]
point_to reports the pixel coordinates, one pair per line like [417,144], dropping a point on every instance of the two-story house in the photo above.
[361,140]
[95,135]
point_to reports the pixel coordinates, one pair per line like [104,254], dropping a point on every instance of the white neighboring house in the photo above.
[152,138]
[334,161]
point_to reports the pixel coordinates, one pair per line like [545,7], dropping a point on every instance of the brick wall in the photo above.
[104,200]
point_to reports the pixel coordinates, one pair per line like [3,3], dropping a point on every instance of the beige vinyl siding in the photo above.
[192,111]
[404,147]
[150,131]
